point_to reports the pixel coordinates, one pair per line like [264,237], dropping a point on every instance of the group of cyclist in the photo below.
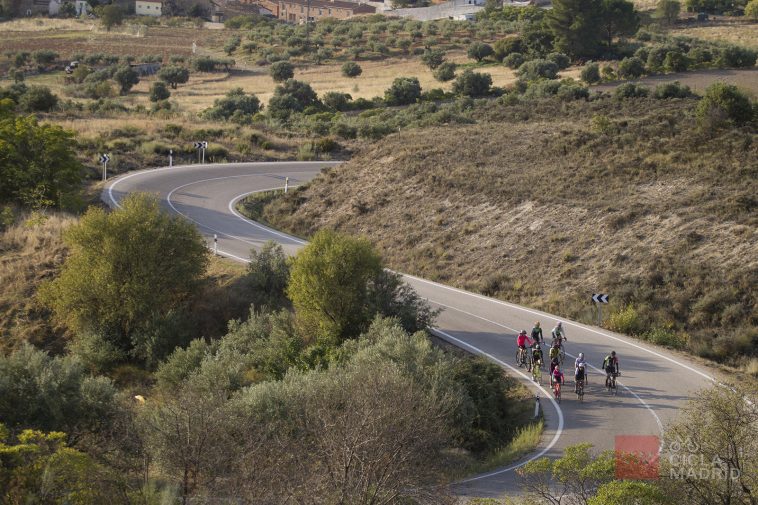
[556,355]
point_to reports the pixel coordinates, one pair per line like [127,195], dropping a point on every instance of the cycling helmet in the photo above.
[523,332]
[613,353]
[537,324]
[581,355]
[559,323]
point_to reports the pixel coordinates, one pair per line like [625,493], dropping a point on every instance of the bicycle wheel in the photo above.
[562,355]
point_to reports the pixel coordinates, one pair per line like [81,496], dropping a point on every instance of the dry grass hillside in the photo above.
[545,203]
[30,253]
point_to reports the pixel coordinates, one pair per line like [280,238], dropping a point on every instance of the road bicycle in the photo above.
[523,358]
[537,371]
[610,383]
[562,355]
[557,391]
[580,389]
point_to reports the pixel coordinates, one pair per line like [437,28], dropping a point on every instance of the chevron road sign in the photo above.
[104,159]
[201,147]
[600,298]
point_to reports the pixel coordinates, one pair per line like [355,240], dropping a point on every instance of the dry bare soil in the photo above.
[547,203]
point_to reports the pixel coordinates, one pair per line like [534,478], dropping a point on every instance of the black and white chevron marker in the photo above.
[599,298]
[104,158]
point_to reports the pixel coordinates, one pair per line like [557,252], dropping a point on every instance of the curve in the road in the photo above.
[657,384]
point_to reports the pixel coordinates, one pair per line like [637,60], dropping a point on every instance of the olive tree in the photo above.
[129,276]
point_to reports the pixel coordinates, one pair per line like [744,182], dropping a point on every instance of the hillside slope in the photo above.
[546,203]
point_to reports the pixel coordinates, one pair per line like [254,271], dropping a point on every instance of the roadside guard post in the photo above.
[215,244]
[286,184]
[537,406]
[170,158]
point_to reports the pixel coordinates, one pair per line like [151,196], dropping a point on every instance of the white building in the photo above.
[148,8]
[82,7]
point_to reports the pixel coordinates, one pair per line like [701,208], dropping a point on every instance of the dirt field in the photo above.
[699,80]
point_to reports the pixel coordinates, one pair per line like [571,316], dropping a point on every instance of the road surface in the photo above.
[654,384]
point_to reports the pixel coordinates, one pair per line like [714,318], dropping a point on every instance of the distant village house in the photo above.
[296,11]
[148,8]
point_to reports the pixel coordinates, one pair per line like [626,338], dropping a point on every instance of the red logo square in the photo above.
[637,457]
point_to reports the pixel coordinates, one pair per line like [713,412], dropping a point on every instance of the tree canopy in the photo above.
[129,276]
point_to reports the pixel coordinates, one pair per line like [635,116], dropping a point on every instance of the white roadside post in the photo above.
[205,146]
[170,158]
[215,244]
[537,406]
[286,184]
[104,159]
[599,299]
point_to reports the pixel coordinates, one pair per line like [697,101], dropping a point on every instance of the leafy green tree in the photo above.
[110,15]
[538,69]
[667,11]
[404,91]
[671,90]
[232,44]
[173,75]
[268,274]
[591,73]
[126,77]
[236,104]
[577,473]
[710,454]
[514,60]
[337,101]
[129,277]
[351,69]
[508,45]
[44,56]
[618,17]
[479,50]
[629,492]
[291,96]
[736,56]
[433,58]
[38,99]
[445,72]
[39,467]
[159,91]
[473,84]
[631,68]
[329,285]
[28,174]
[53,393]
[751,10]
[561,60]
[723,103]
[675,61]
[575,26]
[630,90]
[280,71]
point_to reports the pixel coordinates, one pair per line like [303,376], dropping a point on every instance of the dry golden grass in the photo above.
[539,208]
[29,255]
[743,34]
[45,25]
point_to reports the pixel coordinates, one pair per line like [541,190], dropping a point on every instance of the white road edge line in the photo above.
[558,432]
[643,402]
[578,325]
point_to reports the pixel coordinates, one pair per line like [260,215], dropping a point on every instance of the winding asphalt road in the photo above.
[653,386]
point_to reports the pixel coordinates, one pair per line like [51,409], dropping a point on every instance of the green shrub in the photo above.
[665,337]
[433,58]
[631,68]
[351,69]
[514,60]
[671,90]
[506,46]
[675,61]
[723,103]
[445,71]
[538,69]
[281,71]
[479,50]
[591,73]
[159,91]
[629,90]
[404,91]
[336,100]
[737,57]
[626,320]
[38,99]
[472,84]
[235,104]
[561,60]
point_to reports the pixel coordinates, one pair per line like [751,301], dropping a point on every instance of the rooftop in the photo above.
[332,4]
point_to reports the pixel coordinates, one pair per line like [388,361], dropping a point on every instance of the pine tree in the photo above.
[576,26]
